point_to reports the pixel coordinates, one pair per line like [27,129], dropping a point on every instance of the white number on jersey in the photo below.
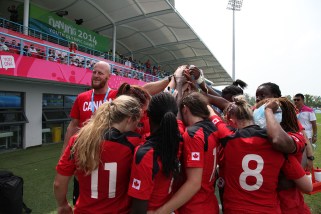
[214,166]
[251,172]
[112,167]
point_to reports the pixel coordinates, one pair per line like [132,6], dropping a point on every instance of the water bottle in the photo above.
[317,175]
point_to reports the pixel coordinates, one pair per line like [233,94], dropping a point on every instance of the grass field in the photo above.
[314,201]
[37,167]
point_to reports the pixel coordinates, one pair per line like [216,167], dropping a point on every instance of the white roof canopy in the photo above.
[145,29]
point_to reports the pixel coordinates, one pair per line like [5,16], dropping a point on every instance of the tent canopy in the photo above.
[145,29]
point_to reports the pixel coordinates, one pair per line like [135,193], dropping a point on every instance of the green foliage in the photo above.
[289,97]
[310,100]
[250,99]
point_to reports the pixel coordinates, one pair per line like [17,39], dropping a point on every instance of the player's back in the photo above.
[105,189]
[200,151]
[251,169]
[148,181]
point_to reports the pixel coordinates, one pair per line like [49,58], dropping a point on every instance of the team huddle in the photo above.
[163,147]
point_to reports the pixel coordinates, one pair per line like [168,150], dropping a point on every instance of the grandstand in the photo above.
[41,75]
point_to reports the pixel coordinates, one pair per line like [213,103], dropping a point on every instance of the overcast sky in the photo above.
[276,40]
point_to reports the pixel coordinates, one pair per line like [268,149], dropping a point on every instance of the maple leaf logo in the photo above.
[215,120]
[136,184]
[195,156]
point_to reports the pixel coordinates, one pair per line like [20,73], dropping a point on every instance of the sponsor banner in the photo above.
[30,67]
[48,22]
[22,36]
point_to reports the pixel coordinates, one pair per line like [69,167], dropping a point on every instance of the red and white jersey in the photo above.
[200,151]
[305,116]
[147,181]
[105,189]
[82,108]
[251,168]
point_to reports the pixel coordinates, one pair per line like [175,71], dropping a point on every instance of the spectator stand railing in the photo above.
[4,23]
[117,69]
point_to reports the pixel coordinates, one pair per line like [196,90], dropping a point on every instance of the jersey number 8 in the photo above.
[251,172]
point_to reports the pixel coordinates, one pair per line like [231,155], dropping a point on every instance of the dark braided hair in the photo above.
[232,90]
[134,91]
[289,119]
[275,89]
[162,112]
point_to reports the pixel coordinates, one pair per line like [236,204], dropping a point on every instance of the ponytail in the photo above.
[169,143]
[162,113]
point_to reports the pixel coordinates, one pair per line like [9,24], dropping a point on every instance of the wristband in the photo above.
[310,158]
[200,78]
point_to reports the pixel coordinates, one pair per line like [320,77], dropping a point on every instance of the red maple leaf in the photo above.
[136,183]
[195,156]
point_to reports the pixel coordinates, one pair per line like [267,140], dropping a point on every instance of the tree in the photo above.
[308,100]
[250,99]
[289,97]
[317,101]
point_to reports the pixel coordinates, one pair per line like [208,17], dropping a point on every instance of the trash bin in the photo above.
[56,134]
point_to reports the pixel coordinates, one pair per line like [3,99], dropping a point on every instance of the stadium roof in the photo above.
[145,29]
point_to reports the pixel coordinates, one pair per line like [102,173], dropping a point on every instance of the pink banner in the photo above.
[30,67]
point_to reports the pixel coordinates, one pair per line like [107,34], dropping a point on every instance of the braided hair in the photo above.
[162,112]
[289,119]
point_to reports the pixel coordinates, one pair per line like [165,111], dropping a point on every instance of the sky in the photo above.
[276,41]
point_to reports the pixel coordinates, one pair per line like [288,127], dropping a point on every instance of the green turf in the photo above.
[314,201]
[37,167]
